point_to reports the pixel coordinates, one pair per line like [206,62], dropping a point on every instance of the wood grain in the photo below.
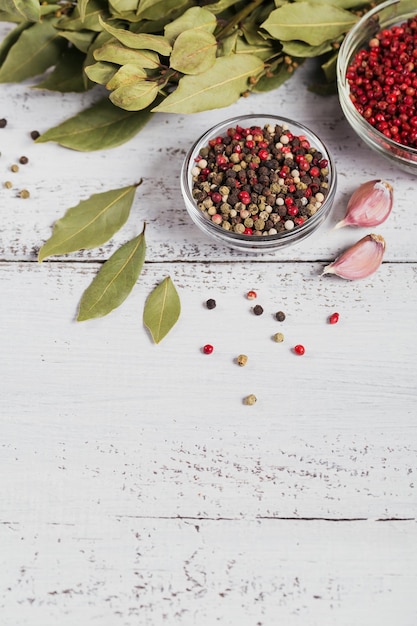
[136,487]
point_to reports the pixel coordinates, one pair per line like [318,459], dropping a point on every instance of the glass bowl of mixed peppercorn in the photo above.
[258,182]
[377,81]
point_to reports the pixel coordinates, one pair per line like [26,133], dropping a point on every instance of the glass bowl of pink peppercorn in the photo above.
[377,81]
[258,183]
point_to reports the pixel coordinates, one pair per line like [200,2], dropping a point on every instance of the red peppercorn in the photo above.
[208,348]
[299,349]
[334,318]
[216,197]
[263,154]
[251,295]
[248,231]
[249,143]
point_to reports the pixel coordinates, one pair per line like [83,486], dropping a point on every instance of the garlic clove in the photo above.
[360,260]
[369,205]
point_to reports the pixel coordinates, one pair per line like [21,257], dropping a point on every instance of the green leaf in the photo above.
[101,72]
[11,39]
[220,86]
[67,75]
[82,8]
[37,48]
[121,6]
[195,18]
[115,52]
[309,22]
[194,52]
[101,126]
[139,41]
[23,9]
[162,309]
[90,18]
[91,223]
[341,4]
[157,9]
[127,75]
[115,280]
[302,49]
[81,39]
[135,97]
[273,79]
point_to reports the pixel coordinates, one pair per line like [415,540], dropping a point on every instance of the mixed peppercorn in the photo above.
[259,181]
[383,82]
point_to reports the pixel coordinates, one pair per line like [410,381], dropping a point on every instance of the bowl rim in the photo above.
[262,240]
[392,148]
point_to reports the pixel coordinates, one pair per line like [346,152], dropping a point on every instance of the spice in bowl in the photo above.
[377,81]
[258,182]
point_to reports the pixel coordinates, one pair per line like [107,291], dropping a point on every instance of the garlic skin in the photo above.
[369,205]
[360,260]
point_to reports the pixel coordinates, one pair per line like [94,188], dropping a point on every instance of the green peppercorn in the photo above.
[250,400]
[278,337]
[8,184]
[14,168]
[24,194]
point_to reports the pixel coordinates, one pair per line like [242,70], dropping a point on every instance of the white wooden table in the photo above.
[136,487]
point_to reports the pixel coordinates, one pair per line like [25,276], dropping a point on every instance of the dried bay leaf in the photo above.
[122,6]
[88,19]
[159,9]
[126,75]
[194,52]
[23,9]
[195,18]
[115,280]
[304,50]
[275,79]
[220,86]
[139,41]
[116,52]
[90,223]
[99,127]
[101,72]
[135,96]
[11,39]
[81,39]
[310,22]
[162,309]
[38,48]
[67,74]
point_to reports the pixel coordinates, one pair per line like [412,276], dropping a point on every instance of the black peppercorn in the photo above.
[35,134]
[23,160]
[3,122]
[211,304]
[280,316]
[258,310]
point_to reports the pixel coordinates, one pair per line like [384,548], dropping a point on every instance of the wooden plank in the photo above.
[331,436]
[186,572]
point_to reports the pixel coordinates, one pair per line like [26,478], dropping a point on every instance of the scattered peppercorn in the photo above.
[334,318]
[35,134]
[211,304]
[280,315]
[14,168]
[299,349]
[279,337]
[258,181]
[8,184]
[251,399]
[251,295]
[24,194]
[3,123]
[383,82]
[242,359]
[23,160]
[258,310]
[208,348]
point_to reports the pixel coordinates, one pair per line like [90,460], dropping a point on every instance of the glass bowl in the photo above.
[383,16]
[210,194]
